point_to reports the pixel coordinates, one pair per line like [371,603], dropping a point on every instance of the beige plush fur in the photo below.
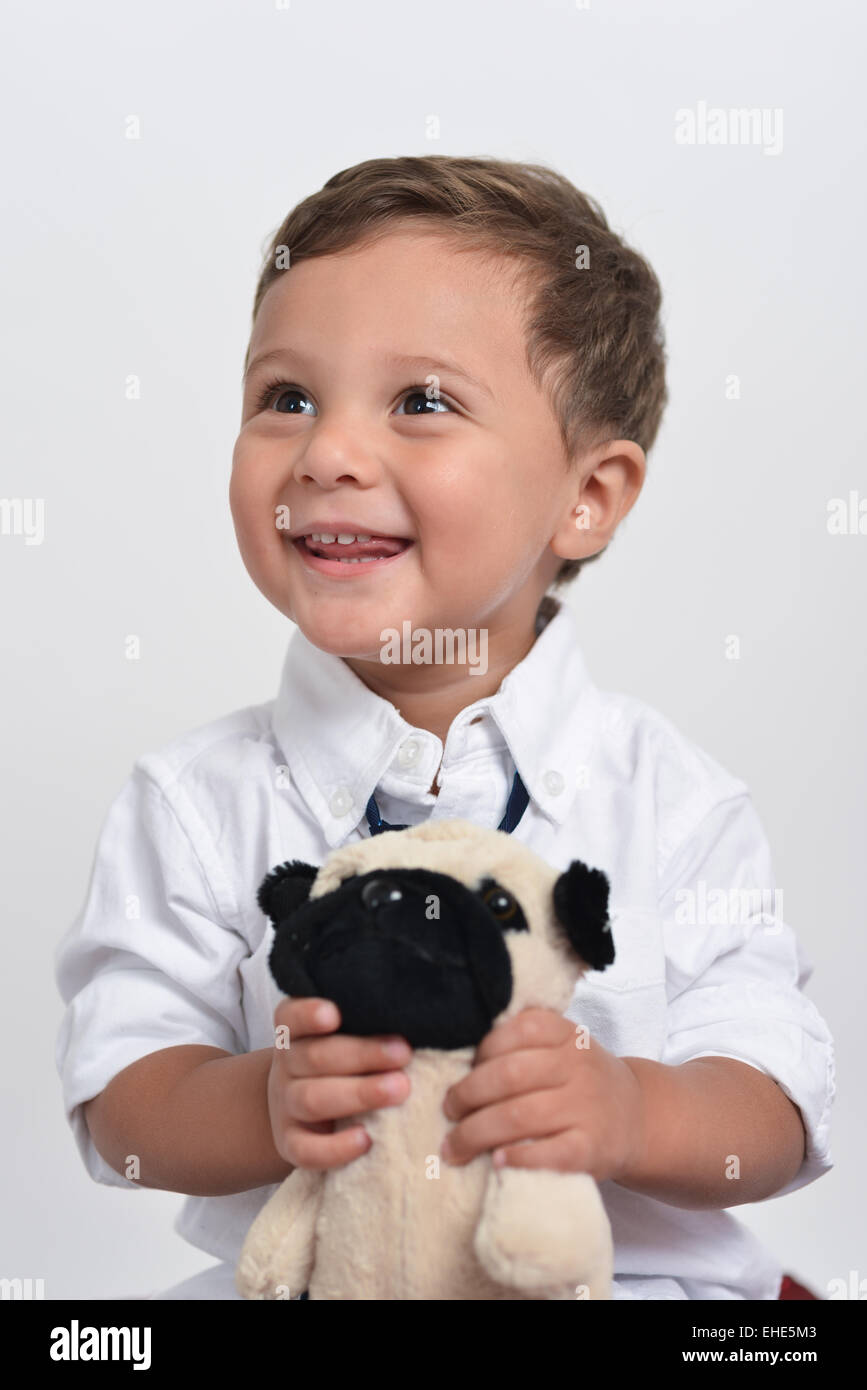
[399,1222]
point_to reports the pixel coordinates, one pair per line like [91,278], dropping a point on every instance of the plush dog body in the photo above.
[436,933]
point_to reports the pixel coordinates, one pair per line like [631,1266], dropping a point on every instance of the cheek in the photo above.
[474,525]
[484,488]
[252,503]
[452,499]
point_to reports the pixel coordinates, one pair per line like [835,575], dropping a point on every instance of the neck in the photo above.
[432,696]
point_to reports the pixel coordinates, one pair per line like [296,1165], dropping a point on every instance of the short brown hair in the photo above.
[594,340]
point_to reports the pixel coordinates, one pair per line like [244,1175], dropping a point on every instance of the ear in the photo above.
[581,906]
[285,888]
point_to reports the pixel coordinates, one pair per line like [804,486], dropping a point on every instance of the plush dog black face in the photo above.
[417,953]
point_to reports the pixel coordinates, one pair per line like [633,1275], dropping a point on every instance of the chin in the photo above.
[341,634]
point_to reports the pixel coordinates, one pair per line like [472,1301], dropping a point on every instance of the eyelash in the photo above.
[267,391]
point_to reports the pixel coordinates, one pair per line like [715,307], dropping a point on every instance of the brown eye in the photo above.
[501,903]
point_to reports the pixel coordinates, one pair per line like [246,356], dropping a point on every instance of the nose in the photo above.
[378,891]
[335,455]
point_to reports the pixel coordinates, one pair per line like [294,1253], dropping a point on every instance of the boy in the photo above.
[454,375]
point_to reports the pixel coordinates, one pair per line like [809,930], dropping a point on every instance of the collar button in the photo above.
[553,782]
[341,802]
[409,753]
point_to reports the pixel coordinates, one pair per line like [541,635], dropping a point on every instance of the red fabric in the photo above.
[790,1288]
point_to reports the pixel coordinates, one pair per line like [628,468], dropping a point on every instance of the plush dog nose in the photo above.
[378,891]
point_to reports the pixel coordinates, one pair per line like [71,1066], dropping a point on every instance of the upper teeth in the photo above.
[328,538]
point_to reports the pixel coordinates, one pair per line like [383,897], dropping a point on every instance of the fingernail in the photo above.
[393,1085]
[326,1013]
[499,1157]
[446,1148]
[397,1051]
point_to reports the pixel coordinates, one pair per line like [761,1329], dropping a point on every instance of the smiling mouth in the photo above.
[377,548]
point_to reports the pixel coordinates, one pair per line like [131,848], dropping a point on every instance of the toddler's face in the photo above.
[335,427]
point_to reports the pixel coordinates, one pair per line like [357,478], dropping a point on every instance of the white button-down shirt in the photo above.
[171,948]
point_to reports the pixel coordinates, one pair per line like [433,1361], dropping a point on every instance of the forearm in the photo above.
[715,1132]
[196,1118]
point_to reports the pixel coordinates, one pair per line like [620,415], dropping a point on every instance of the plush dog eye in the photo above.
[501,903]
[504,906]
[380,890]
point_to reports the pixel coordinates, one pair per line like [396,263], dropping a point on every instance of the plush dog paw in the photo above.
[546,1233]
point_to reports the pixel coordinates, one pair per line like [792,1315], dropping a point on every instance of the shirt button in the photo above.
[553,782]
[409,752]
[341,802]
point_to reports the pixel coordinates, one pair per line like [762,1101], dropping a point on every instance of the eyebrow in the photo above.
[395,359]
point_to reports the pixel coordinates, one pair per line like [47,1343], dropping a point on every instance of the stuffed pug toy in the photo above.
[436,932]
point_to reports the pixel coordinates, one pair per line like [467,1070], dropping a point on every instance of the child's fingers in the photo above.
[512,1074]
[311,1049]
[566,1153]
[307,1149]
[530,1116]
[346,1056]
[317,1098]
[306,1017]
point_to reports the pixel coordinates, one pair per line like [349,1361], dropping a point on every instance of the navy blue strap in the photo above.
[515,808]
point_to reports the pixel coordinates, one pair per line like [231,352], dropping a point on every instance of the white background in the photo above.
[140,257]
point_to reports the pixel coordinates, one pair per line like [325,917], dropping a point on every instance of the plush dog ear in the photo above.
[581,905]
[285,888]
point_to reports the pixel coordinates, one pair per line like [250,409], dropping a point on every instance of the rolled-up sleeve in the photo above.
[151,960]
[735,972]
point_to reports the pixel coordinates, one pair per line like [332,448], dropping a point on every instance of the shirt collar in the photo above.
[338,737]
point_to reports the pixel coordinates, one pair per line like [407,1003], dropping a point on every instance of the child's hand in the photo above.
[580,1107]
[317,1080]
